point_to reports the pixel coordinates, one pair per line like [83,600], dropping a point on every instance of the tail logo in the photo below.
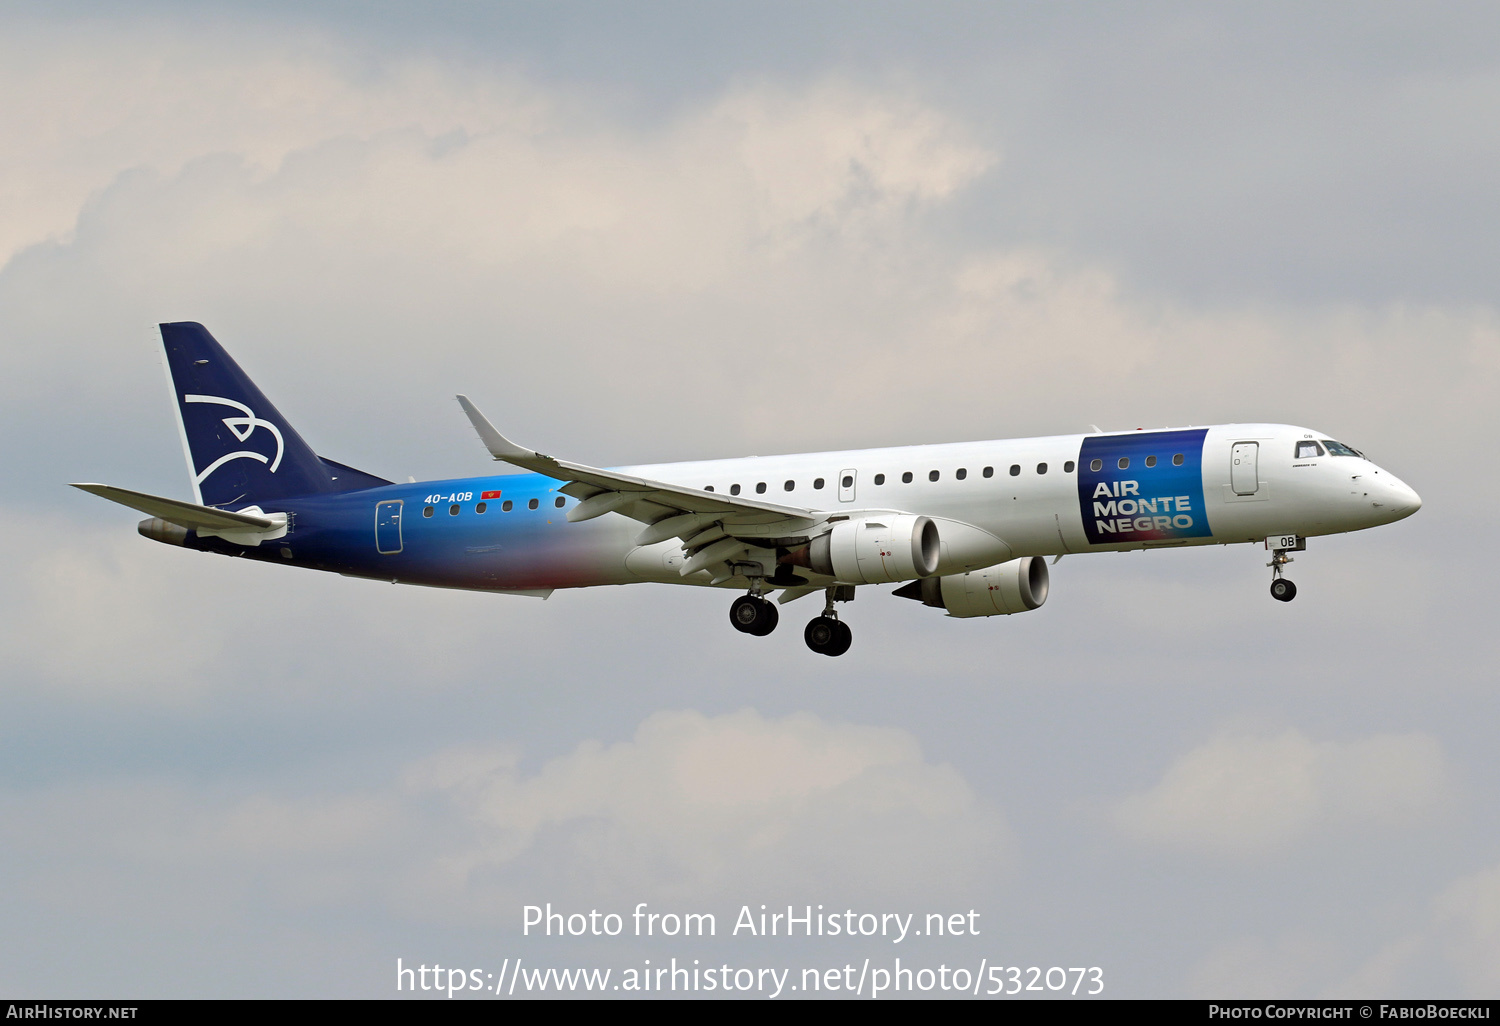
[242,428]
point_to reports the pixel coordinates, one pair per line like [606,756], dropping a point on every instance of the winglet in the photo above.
[500,447]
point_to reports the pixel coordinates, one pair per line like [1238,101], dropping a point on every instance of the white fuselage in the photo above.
[1038,510]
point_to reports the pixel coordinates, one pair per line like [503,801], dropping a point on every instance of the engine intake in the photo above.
[1015,587]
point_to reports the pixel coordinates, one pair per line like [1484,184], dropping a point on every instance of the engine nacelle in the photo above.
[874,550]
[1014,587]
[161,530]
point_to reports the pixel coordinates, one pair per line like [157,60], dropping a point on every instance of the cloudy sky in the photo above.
[658,231]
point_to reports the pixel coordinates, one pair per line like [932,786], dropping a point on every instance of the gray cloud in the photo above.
[908,227]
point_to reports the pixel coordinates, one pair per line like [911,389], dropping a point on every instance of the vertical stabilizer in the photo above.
[240,448]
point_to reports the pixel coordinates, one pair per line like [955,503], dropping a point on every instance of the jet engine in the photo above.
[1014,587]
[873,550]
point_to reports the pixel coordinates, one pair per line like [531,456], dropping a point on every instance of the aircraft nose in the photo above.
[1404,500]
[1413,500]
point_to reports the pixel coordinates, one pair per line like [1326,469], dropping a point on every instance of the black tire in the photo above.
[769,617]
[820,633]
[1283,590]
[751,615]
[843,638]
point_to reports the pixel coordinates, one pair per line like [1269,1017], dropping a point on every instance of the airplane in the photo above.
[964,527]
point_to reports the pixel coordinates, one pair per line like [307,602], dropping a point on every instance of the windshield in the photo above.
[1340,449]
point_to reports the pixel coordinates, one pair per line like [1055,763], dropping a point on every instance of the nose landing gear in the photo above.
[827,634]
[1282,590]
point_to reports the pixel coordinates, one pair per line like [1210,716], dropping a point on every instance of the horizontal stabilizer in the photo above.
[183,514]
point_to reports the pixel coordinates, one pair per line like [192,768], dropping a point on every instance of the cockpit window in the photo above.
[1307,450]
[1340,449]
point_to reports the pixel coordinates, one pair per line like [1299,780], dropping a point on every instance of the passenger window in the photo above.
[960,473]
[1041,468]
[734,489]
[1124,463]
[480,507]
[847,482]
[817,484]
[708,488]
[906,478]
[789,485]
[1015,470]
[1177,460]
[506,506]
[533,504]
[760,488]
[453,510]
[932,475]
[989,471]
[559,502]
[1096,466]
[880,479]
[427,511]
[1150,461]
[1307,450]
[1068,467]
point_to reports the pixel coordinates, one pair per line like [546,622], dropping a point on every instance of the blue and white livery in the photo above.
[965,527]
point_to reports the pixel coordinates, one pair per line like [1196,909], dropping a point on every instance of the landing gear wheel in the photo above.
[820,633]
[842,642]
[828,636]
[1283,590]
[751,615]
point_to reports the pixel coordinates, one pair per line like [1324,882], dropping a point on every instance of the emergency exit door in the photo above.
[846,485]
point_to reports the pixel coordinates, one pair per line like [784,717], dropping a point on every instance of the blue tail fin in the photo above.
[240,448]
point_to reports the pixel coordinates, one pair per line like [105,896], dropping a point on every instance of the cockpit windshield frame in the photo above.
[1340,449]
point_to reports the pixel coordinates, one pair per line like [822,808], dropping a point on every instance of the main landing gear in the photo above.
[752,614]
[826,634]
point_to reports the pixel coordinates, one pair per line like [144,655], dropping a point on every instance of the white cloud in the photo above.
[697,806]
[87,101]
[394,225]
[693,808]
[1245,796]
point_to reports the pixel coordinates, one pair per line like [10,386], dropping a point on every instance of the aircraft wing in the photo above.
[707,521]
[183,514]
